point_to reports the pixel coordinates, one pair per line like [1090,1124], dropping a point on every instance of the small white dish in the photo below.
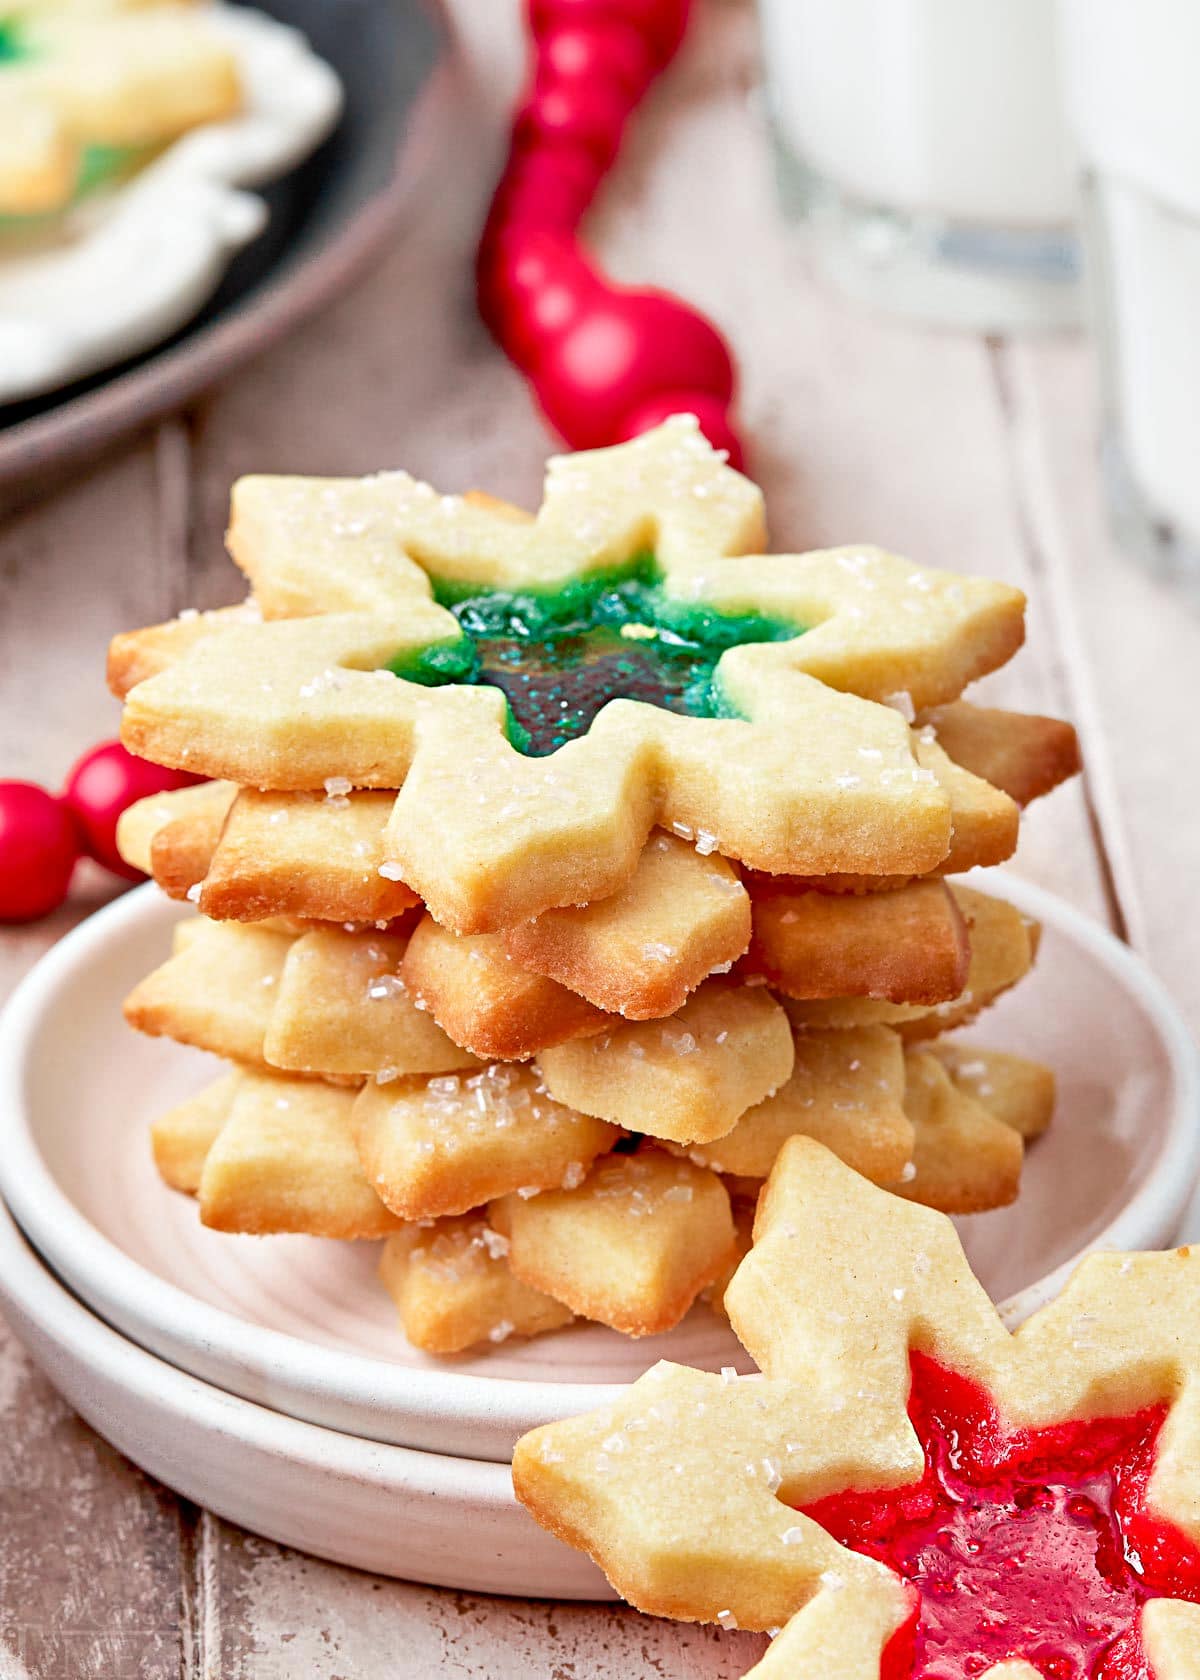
[302,1326]
[451,1522]
[131,265]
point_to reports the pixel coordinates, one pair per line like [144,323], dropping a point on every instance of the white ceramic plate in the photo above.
[130,266]
[301,1325]
[448,1521]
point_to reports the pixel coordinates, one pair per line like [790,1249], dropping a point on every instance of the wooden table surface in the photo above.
[962,452]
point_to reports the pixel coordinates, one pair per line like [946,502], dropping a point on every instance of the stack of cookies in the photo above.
[555,870]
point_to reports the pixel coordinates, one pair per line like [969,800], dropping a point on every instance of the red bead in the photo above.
[620,349]
[661,22]
[104,783]
[605,363]
[587,114]
[609,52]
[537,286]
[548,202]
[712,414]
[550,186]
[39,847]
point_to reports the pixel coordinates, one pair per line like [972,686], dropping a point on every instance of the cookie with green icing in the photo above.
[87,96]
[543,691]
[560,655]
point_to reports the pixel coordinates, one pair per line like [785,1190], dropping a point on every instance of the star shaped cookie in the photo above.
[909,1489]
[544,691]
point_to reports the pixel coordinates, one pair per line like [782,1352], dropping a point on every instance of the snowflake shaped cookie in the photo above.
[909,1490]
[88,93]
[544,691]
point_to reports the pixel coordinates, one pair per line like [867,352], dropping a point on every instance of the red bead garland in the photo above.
[43,836]
[660,23]
[104,783]
[605,361]
[39,847]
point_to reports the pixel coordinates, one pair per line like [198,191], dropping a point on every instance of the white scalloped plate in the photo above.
[302,1325]
[132,265]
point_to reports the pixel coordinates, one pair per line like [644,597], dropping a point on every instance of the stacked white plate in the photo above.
[267,1379]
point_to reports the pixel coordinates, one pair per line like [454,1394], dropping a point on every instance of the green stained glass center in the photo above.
[559,656]
[101,165]
[11,46]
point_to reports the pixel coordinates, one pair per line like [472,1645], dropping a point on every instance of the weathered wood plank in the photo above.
[98,558]
[89,1583]
[72,572]
[89,1548]
[1131,652]
[286,1615]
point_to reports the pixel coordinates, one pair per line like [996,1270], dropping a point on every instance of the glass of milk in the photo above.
[1131,78]
[926,142]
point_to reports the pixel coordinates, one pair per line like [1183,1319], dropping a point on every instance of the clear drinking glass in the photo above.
[1131,72]
[926,143]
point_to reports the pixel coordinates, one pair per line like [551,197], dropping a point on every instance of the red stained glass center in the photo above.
[1021,1543]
